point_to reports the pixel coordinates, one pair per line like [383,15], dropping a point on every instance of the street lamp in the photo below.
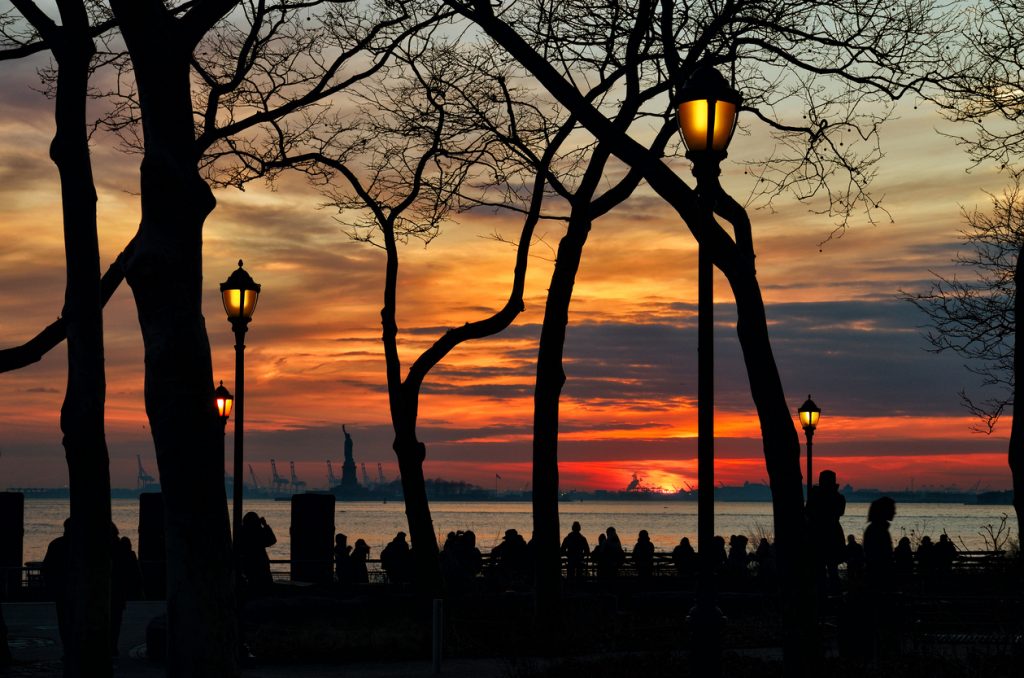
[809,415]
[708,110]
[224,401]
[239,293]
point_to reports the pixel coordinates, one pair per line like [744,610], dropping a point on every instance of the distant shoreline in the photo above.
[746,493]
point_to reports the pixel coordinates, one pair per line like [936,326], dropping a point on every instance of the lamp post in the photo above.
[224,401]
[708,109]
[239,293]
[809,415]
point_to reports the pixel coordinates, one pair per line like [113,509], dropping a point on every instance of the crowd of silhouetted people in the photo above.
[875,568]
[872,563]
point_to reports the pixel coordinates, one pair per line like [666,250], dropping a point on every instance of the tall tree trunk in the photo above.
[82,413]
[1016,446]
[403,402]
[166,277]
[546,395]
[427,566]
[781,444]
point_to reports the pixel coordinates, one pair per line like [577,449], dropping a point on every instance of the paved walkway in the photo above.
[35,644]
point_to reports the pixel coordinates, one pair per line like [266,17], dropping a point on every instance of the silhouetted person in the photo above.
[643,555]
[358,573]
[57,577]
[597,556]
[125,582]
[684,558]
[575,549]
[874,615]
[925,558]
[469,555]
[878,556]
[825,506]
[342,559]
[736,561]
[396,559]
[854,557]
[454,565]
[512,557]
[719,556]
[253,540]
[903,562]
[613,555]
[764,556]
[945,554]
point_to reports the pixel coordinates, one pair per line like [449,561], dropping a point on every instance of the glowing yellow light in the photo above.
[240,303]
[694,122]
[224,401]
[239,293]
[809,414]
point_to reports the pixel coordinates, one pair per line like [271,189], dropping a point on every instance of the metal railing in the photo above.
[29,581]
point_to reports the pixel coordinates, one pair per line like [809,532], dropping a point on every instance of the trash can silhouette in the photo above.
[12,542]
[312,538]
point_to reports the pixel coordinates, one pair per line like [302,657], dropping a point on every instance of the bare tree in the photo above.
[986,87]
[82,415]
[835,63]
[182,62]
[976,318]
[439,130]
[227,47]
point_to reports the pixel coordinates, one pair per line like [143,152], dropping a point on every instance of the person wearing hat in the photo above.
[825,506]
[512,558]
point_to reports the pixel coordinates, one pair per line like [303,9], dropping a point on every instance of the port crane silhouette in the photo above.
[144,478]
[279,482]
[297,484]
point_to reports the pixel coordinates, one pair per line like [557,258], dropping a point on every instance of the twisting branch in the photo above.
[34,349]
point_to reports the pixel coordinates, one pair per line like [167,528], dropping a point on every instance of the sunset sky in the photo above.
[891,415]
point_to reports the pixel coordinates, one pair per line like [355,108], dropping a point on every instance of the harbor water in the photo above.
[667,522]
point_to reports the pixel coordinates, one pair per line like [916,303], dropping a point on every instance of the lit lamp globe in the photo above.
[239,293]
[225,401]
[708,111]
[809,415]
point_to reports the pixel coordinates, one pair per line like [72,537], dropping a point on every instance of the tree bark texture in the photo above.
[81,417]
[1016,446]
[426,564]
[82,413]
[781,445]
[411,452]
[404,394]
[166,277]
[546,395]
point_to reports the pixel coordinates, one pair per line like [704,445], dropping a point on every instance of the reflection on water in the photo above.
[667,522]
